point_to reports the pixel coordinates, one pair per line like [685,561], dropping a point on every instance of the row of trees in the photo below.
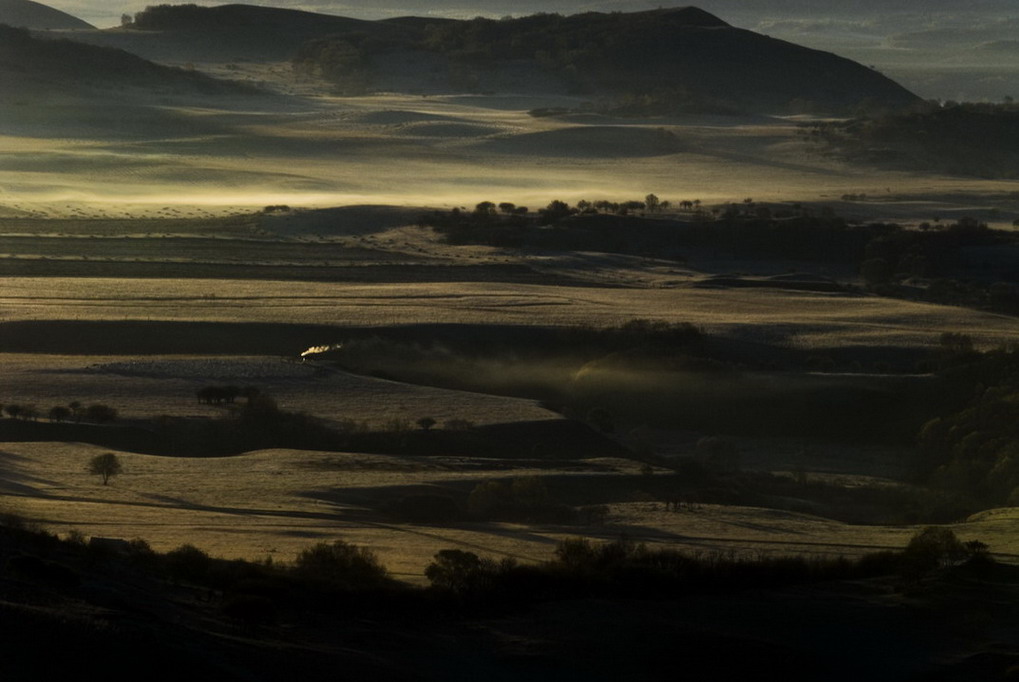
[556,209]
[581,567]
[96,413]
[214,395]
[886,254]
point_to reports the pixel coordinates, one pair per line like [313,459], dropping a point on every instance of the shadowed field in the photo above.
[766,315]
[248,275]
[136,270]
[275,503]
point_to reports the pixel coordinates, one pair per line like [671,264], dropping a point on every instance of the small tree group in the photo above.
[100,414]
[22,412]
[96,413]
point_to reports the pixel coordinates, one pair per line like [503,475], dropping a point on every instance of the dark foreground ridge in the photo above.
[596,611]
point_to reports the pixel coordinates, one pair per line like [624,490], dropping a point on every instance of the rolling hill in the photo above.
[650,62]
[32,65]
[28,14]
[669,59]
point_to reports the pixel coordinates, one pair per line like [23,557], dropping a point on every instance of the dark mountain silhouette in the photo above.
[657,61]
[229,17]
[30,64]
[226,32]
[28,14]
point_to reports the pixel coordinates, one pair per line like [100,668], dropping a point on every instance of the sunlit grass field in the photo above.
[154,226]
[275,503]
[815,319]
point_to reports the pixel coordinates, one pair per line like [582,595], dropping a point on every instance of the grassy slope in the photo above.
[66,68]
[813,319]
[275,503]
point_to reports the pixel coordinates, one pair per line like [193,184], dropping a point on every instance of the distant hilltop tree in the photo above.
[59,413]
[106,466]
[214,395]
[100,414]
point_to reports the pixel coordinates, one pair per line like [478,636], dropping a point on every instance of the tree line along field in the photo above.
[141,375]
[779,355]
[276,503]
[837,356]
[336,605]
[611,436]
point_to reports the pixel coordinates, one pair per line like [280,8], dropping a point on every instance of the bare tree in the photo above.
[106,465]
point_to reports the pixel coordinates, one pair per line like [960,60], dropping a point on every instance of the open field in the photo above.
[275,503]
[145,345]
[481,386]
[135,271]
[775,315]
[305,343]
[146,387]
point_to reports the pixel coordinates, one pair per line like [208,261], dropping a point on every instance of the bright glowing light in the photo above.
[317,350]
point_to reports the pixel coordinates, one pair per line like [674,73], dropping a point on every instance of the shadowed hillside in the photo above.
[652,62]
[966,139]
[33,65]
[28,14]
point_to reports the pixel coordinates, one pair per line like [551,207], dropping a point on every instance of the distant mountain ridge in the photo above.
[28,14]
[195,17]
[656,61]
[638,63]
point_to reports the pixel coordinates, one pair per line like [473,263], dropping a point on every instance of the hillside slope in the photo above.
[669,59]
[33,65]
[28,14]
[650,62]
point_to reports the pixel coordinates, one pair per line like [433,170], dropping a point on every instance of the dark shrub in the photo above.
[341,565]
[100,414]
[465,574]
[187,562]
[931,548]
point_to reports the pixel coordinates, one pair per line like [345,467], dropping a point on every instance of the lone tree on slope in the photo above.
[106,465]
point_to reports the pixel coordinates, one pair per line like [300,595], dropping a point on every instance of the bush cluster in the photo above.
[622,568]
[96,413]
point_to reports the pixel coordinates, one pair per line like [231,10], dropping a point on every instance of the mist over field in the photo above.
[595,345]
